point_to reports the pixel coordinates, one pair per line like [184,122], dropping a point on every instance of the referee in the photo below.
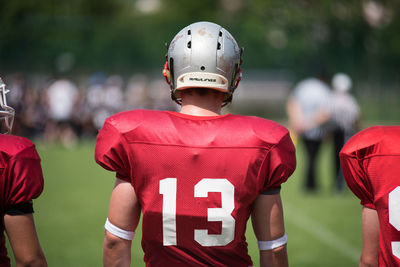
[309,111]
[346,116]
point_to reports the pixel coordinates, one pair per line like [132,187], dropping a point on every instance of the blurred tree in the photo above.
[359,37]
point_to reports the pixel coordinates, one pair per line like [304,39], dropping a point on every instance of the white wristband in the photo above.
[268,245]
[121,233]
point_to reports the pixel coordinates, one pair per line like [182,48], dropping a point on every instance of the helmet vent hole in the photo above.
[202,68]
[171,69]
[189,32]
[219,46]
[189,44]
[220,34]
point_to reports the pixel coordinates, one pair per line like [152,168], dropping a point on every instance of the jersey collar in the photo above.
[192,117]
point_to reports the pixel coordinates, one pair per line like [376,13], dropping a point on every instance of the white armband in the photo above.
[121,233]
[268,245]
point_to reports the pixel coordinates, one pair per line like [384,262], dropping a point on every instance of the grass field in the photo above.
[324,229]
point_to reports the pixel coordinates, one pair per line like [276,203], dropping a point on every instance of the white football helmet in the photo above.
[203,55]
[6,112]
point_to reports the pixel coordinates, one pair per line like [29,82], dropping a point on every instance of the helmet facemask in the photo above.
[6,112]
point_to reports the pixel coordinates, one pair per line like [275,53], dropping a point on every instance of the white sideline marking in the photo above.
[321,233]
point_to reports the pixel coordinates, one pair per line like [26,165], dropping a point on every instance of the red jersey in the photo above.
[371,166]
[196,179]
[21,178]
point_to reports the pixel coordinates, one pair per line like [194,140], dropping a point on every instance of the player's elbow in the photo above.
[366,261]
[116,251]
[112,242]
[37,260]
[274,257]
[115,245]
[279,250]
[279,256]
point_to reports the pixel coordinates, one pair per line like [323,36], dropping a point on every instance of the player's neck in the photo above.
[196,105]
[195,110]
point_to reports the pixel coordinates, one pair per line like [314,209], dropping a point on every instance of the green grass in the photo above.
[324,229]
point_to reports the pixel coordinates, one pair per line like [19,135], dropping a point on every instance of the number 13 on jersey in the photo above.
[168,188]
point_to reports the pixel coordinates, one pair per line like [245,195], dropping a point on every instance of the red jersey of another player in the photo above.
[371,165]
[21,179]
[196,179]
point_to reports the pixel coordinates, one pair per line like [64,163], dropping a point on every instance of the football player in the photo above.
[371,166]
[21,180]
[196,175]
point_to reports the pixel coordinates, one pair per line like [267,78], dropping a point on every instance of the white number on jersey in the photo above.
[394,217]
[168,188]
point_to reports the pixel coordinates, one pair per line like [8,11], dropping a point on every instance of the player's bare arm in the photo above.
[268,226]
[370,233]
[123,218]
[24,241]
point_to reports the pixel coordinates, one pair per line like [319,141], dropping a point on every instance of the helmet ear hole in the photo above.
[202,68]
[189,44]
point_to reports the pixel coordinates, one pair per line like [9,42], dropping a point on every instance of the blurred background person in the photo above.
[137,92]
[346,118]
[62,95]
[114,94]
[33,116]
[95,93]
[309,112]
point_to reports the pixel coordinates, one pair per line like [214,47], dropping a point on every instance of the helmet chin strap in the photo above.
[227,101]
[239,78]
[167,75]
[177,100]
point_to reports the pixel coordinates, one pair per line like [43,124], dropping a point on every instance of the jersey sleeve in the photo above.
[110,152]
[279,164]
[357,180]
[25,175]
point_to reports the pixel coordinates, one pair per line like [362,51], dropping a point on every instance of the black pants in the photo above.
[312,148]
[338,141]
